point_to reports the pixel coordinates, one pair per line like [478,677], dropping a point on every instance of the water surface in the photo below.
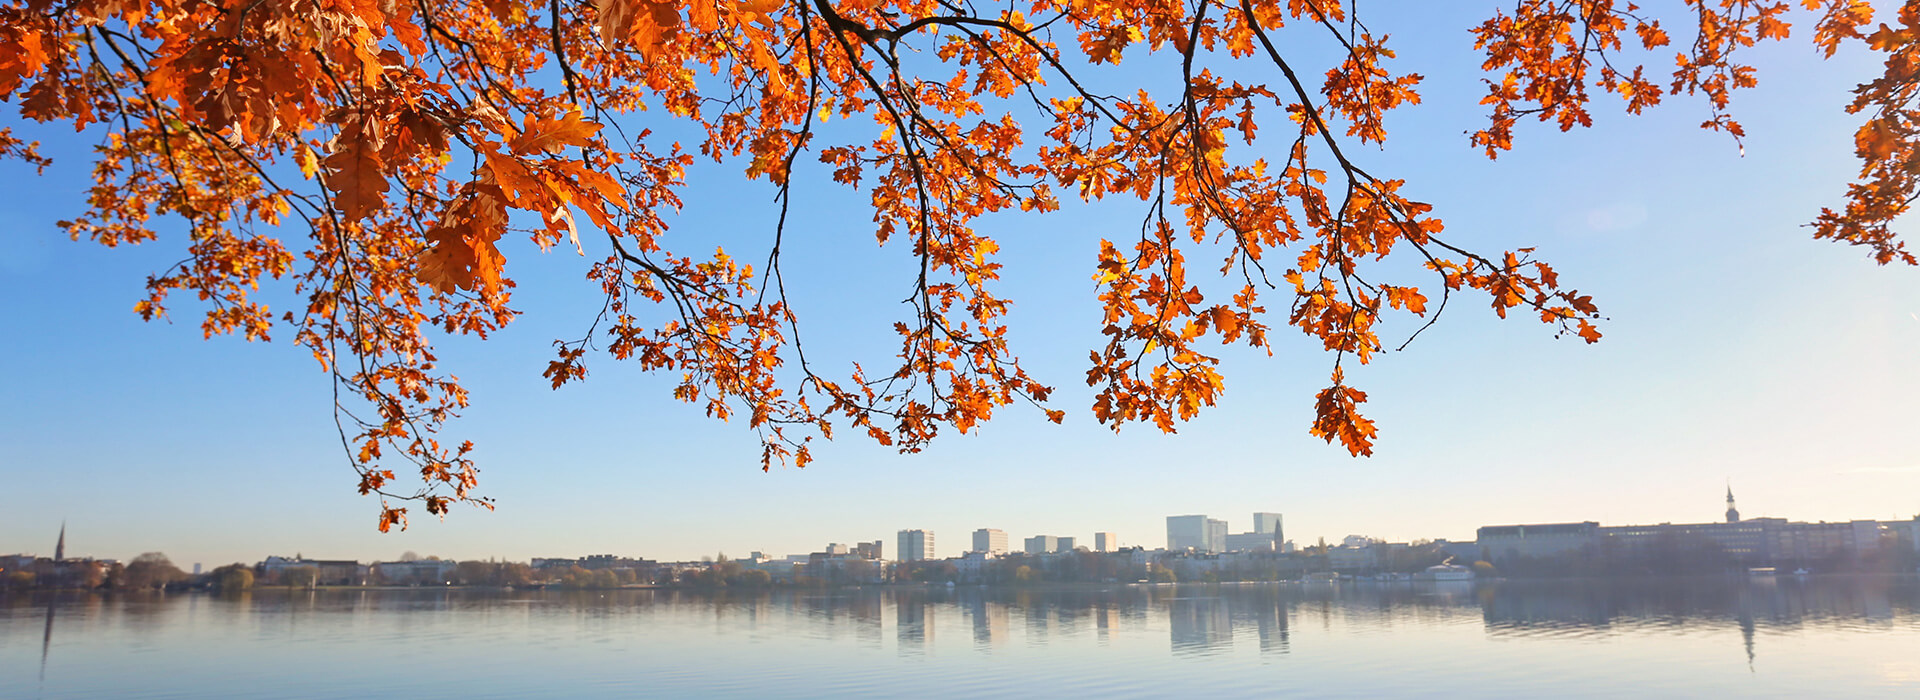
[1818,637]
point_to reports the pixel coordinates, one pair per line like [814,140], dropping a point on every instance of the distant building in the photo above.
[1064,545]
[327,572]
[1506,541]
[972,566]
[1749,541]
[1187,532]
[843,568]
[1249,542]
[916,545]
[1348,558]
[1042,544]
[596,562]
[870,550]
[17,562]
[1268,524]
[1106,542]
[1907,532]
[1216,535]
[1460,552]
[429,572]
[989,541]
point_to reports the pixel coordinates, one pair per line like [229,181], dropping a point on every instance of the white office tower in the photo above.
[1042,544]
[989,541]
[916,545]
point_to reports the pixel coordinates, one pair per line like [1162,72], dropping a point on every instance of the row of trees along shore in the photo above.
[152,570]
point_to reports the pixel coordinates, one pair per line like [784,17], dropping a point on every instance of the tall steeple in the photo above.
[1733,514]
[60,547]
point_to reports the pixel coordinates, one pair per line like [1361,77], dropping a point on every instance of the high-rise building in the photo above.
[1187,532]
[1064,545]
[1042,544]
[1216,535]
[1267,524]
[916,545]
[989,541]
[1106,542]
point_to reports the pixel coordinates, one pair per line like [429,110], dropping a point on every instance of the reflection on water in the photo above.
[46,640]
[1833,635]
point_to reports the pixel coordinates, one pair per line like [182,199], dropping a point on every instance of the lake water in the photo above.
[1816,637]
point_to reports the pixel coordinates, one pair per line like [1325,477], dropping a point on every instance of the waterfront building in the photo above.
[870,550]
[1249,542]
[1459,551]
[989,541]
[1065,544]
[916,545]
[843,568]
[1906,531]
[326,572]
[1216,535]
[1349,558]
[425,571]
[596,562]
[1747,542]
[17,562]
[1042,544]
[1106,542]
[972,566]
[1508,541]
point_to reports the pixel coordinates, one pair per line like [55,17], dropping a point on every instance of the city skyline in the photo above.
[1736,348]
[920,543]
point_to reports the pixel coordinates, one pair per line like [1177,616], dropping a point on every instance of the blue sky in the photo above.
[1738,348]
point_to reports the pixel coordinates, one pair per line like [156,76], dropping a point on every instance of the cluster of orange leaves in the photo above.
[407,139]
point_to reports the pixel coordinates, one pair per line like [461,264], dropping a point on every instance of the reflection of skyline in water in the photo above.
[46,640]
[1199,624]
[1521,608]
[1173,624]
[914,625]
[991,621]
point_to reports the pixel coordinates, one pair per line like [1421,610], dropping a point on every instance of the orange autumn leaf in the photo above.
[541,135]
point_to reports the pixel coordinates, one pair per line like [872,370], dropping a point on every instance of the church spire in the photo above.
[1733,514]
[60,547]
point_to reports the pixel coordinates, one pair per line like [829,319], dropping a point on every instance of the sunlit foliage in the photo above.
[416,145]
